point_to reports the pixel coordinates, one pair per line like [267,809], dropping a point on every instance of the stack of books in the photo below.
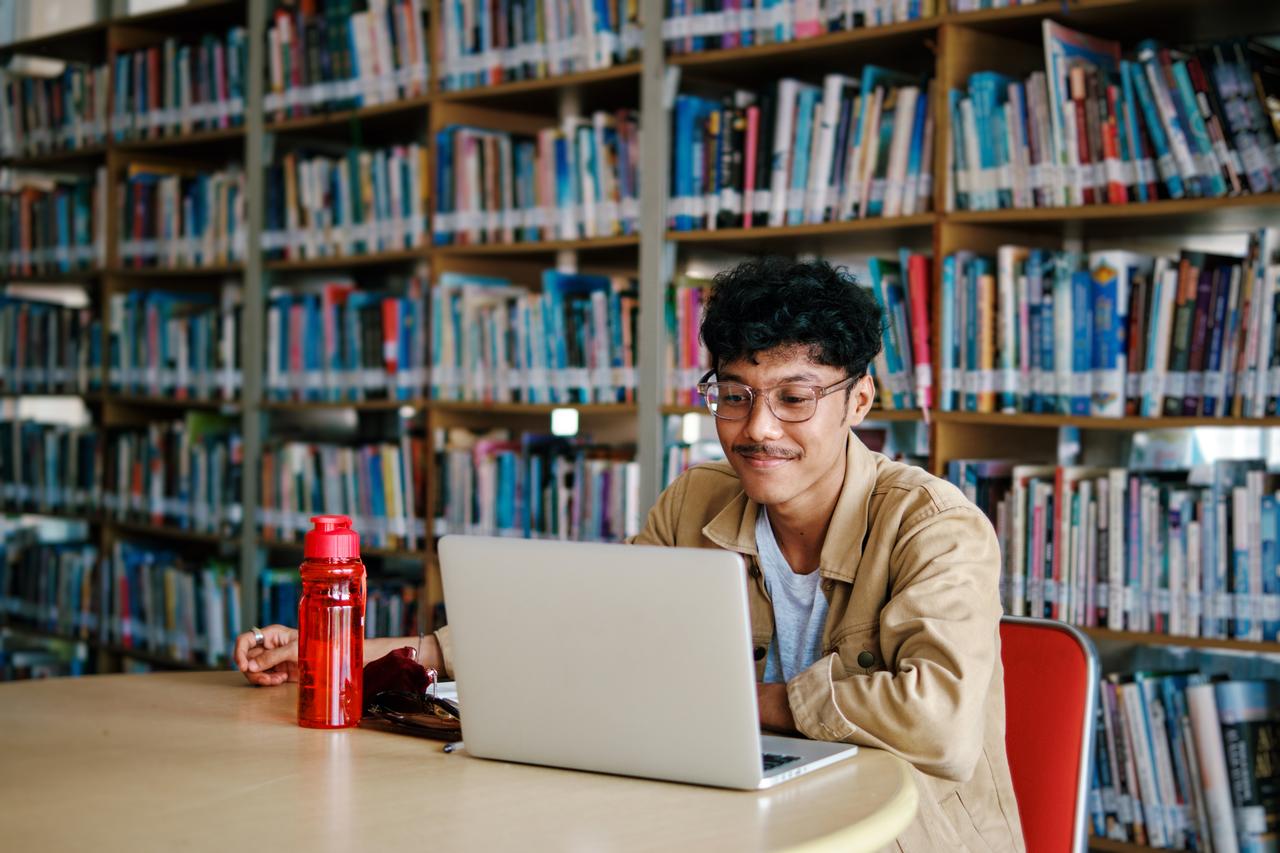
[181,345]
[48,348]
[157,601]
[1183,553]
[687,357]
[536,486]
[574,181]
[572,341]
[136,597]
[1113,333]
[179,86]
[370,200]
[339,58]
[1183,761]
[51,468]
[854,147]
[1093,128]
[65,112]
[692,26]
[174,219]
[379,486]
[979,5]
[51,583]
[182,474]
[52,226]
[484,44]
[332,341]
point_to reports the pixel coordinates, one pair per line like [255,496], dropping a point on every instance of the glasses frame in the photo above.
[819,392]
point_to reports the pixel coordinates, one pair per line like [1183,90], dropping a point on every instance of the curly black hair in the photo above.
[774,301]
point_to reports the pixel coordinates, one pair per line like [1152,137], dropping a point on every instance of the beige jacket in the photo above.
[911,659]
[911,647]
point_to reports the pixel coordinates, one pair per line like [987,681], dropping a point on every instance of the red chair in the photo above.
[1050,697]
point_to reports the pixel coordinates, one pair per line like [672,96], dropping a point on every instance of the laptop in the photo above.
[624,659]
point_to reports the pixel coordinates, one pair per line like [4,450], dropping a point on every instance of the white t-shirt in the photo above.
[799,610]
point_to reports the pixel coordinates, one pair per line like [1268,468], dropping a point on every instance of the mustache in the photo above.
[769,450]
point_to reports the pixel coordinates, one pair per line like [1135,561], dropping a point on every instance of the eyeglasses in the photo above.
[733,401]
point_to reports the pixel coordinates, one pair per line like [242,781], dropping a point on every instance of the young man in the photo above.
[873,585]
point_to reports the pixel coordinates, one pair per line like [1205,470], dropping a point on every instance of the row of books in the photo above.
[134,596]
[486,43]
[980,5]
[333,341]
[50,226]
[1184,553]
[62,112]
[178,219]
[365,201]
[580,179]
[796,153]
[381,487]
[390,610]
[536,486]
[180,85]
[344,55]
[1113,333]
[692,26]
[1183,761]
[182,474]
[26,656]
[1093,128]
[48,348]
[181,345]
[572,341]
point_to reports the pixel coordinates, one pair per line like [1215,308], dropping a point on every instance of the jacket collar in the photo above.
[734,527]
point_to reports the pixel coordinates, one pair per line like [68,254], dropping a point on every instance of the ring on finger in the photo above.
[259,639]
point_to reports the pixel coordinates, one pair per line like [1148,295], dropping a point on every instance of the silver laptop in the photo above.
[620,659]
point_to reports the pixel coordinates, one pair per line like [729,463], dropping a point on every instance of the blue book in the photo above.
[959,153]
[1197,134]
[805,102]
[1165,164]
[947,401]
[881,273]
[989,91]
[1082,342]
[1270,567]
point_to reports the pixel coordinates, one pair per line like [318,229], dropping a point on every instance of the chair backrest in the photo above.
[1050,695]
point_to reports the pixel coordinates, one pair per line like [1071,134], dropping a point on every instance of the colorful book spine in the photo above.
[49,348]
[178,86]
[44,115]
[52,227]
[338,58]
[380,486]
[172,220]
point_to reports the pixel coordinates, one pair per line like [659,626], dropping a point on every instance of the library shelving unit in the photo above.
[949,47]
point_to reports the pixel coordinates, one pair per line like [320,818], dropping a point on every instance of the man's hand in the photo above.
[274,662]
[775,709]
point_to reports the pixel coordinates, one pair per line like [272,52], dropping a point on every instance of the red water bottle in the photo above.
[331,626]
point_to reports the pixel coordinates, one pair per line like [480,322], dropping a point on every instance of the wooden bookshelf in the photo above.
[84,43]
[342,262]
[1086,422]
[620,409]
[1150,639]
[159,531]
[365,550]
[177,273]
[21,629]
[603,87]
[66,158]
[179,403]
[75,277]
[920,223]
[214,138]
[357,405]
[339,118]
[591,244]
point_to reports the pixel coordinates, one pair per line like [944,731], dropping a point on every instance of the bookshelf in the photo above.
[950,46]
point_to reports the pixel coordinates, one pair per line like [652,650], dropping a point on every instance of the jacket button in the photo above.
[866,659]
[754,571]
[828,585]
[760,652]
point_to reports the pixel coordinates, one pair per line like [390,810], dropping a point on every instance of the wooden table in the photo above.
[202,761]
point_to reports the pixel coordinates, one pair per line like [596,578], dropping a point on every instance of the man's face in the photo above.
[779,461]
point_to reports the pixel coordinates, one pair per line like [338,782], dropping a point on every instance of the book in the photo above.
[45,114]
[50,226]
[48,347]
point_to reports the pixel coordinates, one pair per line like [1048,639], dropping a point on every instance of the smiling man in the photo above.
[873,585]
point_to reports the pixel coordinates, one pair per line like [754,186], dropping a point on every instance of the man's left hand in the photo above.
[775,709]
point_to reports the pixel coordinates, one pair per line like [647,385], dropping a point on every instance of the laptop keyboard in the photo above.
[772,760]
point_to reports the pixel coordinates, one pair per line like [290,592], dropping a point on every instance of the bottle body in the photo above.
[331,643]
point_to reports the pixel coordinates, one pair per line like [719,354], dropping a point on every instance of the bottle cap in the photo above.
[332,539]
